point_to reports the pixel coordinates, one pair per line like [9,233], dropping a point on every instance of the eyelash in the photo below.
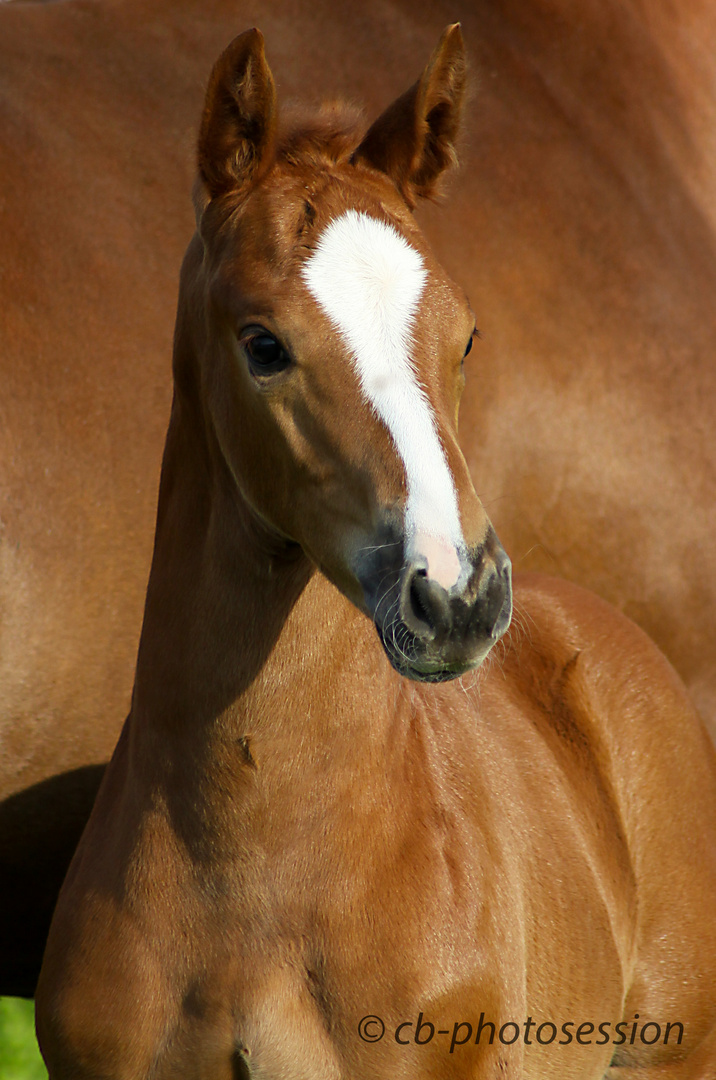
[475,334]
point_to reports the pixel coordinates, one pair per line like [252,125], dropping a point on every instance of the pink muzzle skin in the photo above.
[443,560]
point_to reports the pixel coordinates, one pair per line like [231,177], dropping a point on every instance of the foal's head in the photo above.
[332,348]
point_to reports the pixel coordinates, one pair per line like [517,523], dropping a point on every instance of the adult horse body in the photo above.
[581,227]
[293,832]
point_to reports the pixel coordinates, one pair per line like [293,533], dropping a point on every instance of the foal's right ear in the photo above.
[413,141]
[238,126]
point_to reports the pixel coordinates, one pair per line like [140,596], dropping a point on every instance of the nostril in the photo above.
[501,612]
[418,606]
[504,566]
[491,594]
[424,605]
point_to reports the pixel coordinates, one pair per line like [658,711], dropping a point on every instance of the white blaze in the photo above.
[368,280]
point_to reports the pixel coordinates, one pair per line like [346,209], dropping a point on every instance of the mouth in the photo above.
[408,656]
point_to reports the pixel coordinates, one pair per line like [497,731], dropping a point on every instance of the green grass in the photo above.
[19,1056]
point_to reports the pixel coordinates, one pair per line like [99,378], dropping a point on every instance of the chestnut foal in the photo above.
[308,835]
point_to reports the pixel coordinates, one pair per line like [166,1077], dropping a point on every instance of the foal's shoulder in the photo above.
[569,647]
[558,618]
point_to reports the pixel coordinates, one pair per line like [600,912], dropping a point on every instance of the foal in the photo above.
[313,855]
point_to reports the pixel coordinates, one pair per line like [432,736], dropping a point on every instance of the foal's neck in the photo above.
[237,622]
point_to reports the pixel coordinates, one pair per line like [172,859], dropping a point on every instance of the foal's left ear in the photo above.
[413,141]
[238,126]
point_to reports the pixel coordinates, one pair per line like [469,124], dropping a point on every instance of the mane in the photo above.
[320,135]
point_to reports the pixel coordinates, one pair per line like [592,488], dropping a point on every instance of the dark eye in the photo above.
[266,355]
[469,343]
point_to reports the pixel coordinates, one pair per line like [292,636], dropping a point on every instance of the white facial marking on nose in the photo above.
[443,561]
[368,280]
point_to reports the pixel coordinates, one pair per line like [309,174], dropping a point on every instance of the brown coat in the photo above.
[294,843]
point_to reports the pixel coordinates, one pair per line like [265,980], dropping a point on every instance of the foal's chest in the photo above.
[380,969]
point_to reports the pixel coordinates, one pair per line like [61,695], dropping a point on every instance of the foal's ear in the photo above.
[413,141]
[238,126]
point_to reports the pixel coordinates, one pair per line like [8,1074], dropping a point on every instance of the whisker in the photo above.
[534,547]
[381,547]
